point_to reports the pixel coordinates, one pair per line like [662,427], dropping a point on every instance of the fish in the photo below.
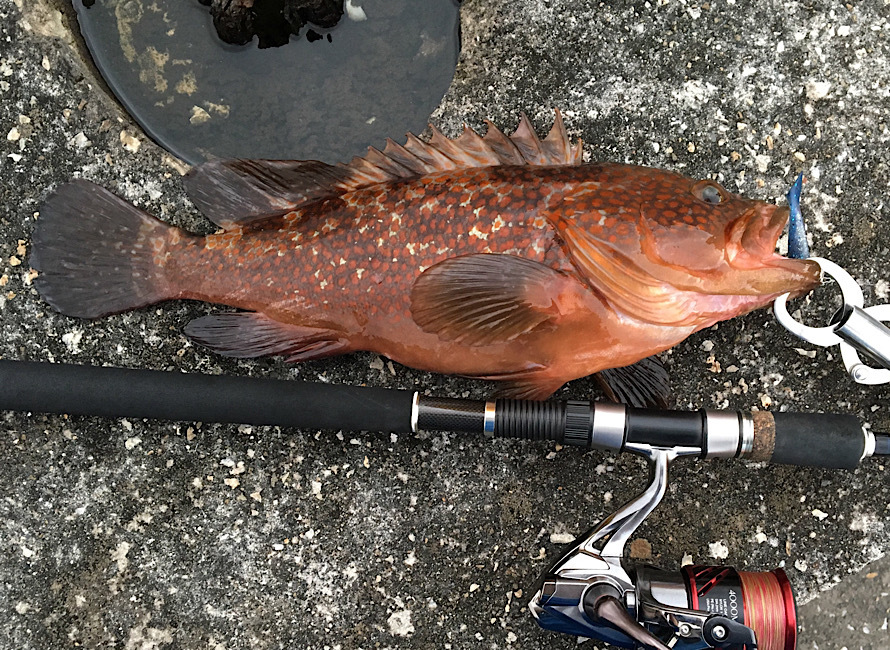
[500,257]
[798,248]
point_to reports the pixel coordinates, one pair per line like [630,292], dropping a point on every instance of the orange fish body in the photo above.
[498,257]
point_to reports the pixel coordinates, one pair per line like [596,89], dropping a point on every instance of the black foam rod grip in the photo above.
[818,440]
[119,392]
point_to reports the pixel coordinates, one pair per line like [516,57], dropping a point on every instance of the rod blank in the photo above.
[120,392]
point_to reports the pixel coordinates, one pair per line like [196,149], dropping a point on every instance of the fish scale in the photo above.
[501,257]
[399,240]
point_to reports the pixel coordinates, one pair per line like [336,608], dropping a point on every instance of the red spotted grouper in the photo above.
[500,257]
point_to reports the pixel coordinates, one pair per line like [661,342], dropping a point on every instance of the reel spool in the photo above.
[760,601]
[767,603]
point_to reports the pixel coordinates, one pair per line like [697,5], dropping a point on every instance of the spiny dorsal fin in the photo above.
[237,192]
[469,149]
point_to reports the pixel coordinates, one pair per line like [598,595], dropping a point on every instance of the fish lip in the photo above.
[776,274]
[752,238]
[764,229]
[808,272]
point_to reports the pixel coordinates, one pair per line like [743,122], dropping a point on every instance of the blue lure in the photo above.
[797,229]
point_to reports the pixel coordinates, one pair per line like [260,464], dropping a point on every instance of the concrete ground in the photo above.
[142,534]
[853,615]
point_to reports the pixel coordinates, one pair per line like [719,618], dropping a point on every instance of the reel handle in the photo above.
[602,603]
[582,592]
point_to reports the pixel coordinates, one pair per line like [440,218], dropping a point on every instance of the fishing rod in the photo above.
[806,439]
[591,590]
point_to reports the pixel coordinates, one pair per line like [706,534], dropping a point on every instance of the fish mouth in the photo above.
[763,229]
[751,248]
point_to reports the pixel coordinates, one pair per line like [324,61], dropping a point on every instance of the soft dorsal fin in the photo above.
[237,192]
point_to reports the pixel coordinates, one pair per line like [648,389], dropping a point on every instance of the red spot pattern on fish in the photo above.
[495,256]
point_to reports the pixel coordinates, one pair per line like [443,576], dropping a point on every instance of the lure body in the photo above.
[798,247]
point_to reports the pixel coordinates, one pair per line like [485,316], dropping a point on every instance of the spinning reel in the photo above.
[590,591]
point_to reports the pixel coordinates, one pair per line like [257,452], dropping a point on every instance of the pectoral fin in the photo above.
[644,384]
[486,299]
[246,335]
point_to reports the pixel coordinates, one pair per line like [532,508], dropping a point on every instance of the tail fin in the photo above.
[95,253]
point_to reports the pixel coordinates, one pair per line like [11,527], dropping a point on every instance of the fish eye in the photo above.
[708,192]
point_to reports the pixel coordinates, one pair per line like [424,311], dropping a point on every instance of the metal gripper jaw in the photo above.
[589,591]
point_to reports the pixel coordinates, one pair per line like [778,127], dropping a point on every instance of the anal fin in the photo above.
[644,384]
[246,335]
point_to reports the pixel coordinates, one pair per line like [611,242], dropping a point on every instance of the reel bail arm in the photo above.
[591,592]
[685,610]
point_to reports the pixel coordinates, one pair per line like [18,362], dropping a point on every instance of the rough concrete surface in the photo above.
[139,534]
[853,614]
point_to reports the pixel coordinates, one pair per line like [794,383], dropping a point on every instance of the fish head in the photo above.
[674,250]
[725,242]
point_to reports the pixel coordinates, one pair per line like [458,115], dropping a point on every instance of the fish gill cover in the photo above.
[135,532]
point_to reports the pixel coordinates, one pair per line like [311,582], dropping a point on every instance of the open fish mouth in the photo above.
[763,230]
[751,248]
